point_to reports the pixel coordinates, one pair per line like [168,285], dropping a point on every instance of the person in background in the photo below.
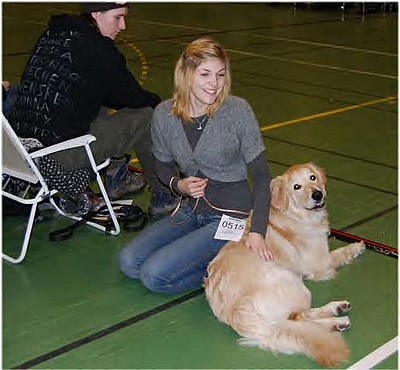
[74,75]
[206,143]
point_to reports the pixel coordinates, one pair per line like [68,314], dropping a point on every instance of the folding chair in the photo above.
[19,164]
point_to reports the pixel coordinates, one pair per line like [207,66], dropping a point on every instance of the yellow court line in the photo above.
[142,59]
[327,113]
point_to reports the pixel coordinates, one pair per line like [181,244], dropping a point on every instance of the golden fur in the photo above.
[267,303]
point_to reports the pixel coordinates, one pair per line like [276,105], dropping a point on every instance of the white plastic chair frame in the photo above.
[18,163]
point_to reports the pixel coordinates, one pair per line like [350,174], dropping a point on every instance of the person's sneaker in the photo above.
[162,203]
[121,181]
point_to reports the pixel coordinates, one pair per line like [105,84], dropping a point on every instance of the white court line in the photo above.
[333,46]
[297,61]
[303,62]
[376,356]
[299,41]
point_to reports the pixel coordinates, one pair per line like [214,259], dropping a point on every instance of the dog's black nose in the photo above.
[317,195]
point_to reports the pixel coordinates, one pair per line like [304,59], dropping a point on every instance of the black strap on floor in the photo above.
[66,232]
[131,218]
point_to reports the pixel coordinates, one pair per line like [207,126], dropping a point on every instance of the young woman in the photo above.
[206,143]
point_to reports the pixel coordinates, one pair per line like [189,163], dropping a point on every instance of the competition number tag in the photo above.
[230,228]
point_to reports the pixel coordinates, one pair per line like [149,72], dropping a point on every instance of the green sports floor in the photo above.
[324,87]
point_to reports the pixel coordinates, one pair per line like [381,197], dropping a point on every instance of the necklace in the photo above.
[201,121]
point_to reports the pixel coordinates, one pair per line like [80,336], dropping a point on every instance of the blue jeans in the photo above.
[171,256]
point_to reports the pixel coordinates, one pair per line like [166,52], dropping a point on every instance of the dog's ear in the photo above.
[279,198]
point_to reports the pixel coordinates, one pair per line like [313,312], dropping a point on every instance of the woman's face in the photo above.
[111,22]
[208,81]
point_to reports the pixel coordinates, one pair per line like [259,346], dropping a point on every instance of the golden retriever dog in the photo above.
[266,302]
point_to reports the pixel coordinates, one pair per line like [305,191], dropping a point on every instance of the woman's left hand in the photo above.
[256,243]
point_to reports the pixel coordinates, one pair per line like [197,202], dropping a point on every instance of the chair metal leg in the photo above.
[95,168]
[117,229]
[27,237]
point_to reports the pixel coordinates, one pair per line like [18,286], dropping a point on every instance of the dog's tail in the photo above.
[316,341]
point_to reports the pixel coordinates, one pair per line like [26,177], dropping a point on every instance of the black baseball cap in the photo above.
[89,7]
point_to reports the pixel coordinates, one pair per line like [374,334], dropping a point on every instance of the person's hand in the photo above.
[256,243]
[192,186]
[6,85]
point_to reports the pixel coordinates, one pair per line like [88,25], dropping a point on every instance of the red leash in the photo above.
[376,246]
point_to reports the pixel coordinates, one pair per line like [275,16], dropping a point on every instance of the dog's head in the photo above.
[301,187]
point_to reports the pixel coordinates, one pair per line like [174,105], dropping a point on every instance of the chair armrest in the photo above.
[68,144]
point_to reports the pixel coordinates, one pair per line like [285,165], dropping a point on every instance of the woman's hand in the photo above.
[192,186]
[256,243]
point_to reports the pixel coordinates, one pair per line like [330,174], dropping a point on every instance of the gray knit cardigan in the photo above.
[230,140]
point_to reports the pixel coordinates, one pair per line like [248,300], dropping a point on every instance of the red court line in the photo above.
[376,246]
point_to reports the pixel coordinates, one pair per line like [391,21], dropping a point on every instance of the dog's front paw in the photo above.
[358,248]
[347,254]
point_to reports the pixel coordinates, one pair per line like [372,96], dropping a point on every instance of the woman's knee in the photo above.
[154,280]
[131,266]
[128,264]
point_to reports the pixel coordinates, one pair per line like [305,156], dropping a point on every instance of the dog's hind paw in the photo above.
[343,324]
[343,307]
[337,307]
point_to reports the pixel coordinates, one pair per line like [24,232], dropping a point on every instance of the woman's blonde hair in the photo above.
[192,56]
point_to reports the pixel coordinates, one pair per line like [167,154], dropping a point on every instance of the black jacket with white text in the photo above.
[73,71]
